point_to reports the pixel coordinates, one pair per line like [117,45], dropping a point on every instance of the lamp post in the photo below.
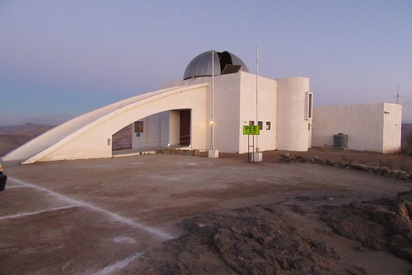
[213,101]
[257,156]
[257,95]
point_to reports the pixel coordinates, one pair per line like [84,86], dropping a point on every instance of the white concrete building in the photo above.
[370,127]
[235,106]
[208,112]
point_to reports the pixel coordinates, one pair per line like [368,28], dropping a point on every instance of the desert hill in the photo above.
[406,135]
[12,137]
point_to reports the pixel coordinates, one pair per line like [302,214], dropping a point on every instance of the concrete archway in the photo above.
[89,136]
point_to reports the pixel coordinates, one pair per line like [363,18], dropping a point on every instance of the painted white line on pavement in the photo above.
[15,186]
[159,233]
[119,265]
[37,212]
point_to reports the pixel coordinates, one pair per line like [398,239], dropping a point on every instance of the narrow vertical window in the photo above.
[309,105]
[251,123]
[267,125]
[260,123]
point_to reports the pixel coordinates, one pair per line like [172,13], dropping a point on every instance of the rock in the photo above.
[298,209]
[251,240]
[359,167]
[403,175]
[286,157]
[403,210]
[355,270]
[384,171]
[375,224]
[300,159]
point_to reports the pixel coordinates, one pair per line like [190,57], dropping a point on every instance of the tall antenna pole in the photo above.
[257,95]
[397,95]
[213,100]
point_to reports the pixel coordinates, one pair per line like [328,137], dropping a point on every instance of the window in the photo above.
[260,123]
[309,105]
[267,125]
[251,123]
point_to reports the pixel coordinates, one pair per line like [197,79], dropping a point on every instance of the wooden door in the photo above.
[185,127]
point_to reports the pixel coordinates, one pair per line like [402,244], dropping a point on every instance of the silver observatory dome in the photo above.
[225,63]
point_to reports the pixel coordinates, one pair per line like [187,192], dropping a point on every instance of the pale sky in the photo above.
[71,57]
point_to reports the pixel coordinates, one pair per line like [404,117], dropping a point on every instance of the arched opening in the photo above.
[122,139]
[167,129]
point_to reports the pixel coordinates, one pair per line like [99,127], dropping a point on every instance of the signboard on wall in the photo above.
[251,130]
[138,126]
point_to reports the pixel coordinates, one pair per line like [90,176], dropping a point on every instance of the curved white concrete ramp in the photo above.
[89,135]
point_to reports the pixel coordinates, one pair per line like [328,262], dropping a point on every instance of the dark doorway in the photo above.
[185,127]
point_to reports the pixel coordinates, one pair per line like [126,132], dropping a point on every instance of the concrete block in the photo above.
[256,157]
[213,154]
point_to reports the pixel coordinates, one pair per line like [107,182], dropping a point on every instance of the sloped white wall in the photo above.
[93,139]
[371,127]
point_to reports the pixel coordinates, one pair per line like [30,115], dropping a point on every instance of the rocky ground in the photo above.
[268,239]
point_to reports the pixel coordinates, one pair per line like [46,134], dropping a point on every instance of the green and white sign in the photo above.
[251,130]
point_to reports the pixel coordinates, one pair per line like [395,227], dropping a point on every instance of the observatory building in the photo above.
[208,109]
[234,97]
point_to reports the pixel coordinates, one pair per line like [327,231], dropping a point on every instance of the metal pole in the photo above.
[253,154]
[248,148]
[213,100]
[257,95]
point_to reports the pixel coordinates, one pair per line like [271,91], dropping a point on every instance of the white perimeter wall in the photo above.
[371,127]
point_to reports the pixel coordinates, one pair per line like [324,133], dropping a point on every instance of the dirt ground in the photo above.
[173,214]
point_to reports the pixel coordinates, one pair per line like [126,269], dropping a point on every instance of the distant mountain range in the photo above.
[12,137]
[50,119]
[27,128]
